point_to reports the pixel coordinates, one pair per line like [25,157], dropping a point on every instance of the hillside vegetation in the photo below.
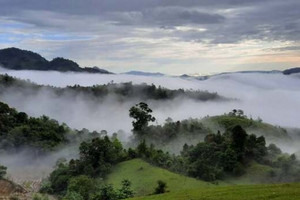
[18,130]
[104,169]
[257,127]
[191,131]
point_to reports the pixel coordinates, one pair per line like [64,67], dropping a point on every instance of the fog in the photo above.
[26,166]
[273,97]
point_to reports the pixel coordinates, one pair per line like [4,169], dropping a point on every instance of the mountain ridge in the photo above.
[291,71]
[18,59]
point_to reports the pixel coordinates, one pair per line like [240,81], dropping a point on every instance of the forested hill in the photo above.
[121,91]
[18,130]
[18,59]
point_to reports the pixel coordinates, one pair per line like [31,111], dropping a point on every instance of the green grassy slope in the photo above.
[245,192]
[144,177]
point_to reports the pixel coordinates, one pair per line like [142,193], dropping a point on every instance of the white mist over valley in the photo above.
[273,97]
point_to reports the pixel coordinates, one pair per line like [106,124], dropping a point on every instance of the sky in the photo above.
[169,36]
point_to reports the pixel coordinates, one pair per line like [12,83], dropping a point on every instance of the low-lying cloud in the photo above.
[272,97]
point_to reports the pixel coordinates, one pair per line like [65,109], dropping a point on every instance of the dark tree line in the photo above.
[18,130]
[123,91]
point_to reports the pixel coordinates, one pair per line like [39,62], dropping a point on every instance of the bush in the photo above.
[126,191]
[161,187]
[106,192]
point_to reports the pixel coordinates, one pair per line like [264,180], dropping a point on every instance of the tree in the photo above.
[99,155]
[239,137]
[59,178]
[161,187]
[233,112]
[141,114]
[142,149]
[240,113]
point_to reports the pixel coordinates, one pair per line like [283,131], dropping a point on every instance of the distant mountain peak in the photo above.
[18,59]
[291,71]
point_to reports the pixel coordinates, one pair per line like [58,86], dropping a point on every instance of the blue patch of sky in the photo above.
[10,38]
[8,33]
[63,37]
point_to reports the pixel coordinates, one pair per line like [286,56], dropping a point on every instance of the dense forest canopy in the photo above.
[18,130]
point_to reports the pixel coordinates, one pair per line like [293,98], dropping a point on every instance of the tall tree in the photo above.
[141,114]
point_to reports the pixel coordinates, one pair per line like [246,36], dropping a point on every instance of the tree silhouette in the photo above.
[141,114]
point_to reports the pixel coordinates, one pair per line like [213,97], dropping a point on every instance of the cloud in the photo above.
[116,33]
[167,17]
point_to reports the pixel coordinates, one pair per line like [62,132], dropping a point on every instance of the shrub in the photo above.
[161,187]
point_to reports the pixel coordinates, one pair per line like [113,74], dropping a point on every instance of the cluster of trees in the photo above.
[220,155]
[224,153]
[237,113]
[191,129]
[123,91]
[82,178]
[144,91]
[41,135]
[17,130]
[217,156]
[77,177]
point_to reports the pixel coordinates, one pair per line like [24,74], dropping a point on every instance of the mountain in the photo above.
[140,73]
[291,71]
[18,59]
